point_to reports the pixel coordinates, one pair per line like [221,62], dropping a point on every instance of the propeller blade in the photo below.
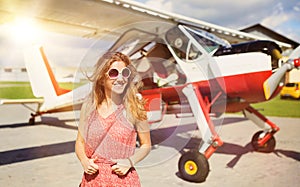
[295,53]
[271,84]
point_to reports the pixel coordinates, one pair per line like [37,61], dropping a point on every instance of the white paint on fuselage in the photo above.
[243,63]
[227,65]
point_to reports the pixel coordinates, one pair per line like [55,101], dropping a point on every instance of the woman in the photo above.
[110,121]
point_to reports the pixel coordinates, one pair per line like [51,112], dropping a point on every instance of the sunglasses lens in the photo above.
[113,73]
[126,72]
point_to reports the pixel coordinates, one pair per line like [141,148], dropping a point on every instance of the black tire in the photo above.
[268,147]
[31,121]
[193,166]
[282,97]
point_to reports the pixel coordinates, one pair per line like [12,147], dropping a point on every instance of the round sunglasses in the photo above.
[114,73]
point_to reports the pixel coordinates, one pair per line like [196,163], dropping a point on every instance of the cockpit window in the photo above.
[209,41]
[191,49]
[193,52]
[178,41]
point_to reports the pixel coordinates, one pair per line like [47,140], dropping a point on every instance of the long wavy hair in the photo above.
[133,104]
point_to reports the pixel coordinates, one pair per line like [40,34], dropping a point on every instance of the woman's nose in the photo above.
[120,77]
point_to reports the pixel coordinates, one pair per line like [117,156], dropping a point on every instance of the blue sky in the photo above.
[278,15]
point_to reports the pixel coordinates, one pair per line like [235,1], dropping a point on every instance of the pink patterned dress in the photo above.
[113,137]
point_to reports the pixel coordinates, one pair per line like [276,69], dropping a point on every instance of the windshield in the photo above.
[209,41]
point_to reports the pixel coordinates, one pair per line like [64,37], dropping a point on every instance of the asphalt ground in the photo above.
[43,154]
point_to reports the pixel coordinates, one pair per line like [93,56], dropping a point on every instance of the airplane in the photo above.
[185,69]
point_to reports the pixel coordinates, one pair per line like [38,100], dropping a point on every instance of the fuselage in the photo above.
[238,77]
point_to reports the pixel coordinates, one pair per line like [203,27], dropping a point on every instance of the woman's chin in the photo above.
[118,89]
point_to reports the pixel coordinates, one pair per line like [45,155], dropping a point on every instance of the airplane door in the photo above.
[193,50]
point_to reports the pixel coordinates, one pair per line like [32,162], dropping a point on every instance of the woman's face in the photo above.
[117,78]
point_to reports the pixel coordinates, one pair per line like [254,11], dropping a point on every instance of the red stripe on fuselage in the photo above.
[248,87]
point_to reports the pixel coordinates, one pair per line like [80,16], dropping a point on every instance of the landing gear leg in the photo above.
[262,141]
[193,165]
[36,113]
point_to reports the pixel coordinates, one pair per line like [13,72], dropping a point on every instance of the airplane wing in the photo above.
[94,18]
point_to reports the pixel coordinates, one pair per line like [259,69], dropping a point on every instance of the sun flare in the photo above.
[25,30]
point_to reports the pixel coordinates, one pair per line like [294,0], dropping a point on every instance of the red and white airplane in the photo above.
[184,69]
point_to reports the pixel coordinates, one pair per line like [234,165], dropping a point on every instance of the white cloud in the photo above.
[284,20]
[279,15]
[228,12]
[160,4]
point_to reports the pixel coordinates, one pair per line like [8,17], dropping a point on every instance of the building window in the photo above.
[7,70]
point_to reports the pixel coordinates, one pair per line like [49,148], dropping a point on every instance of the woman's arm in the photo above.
[123,165]
[144,149]
[88,165]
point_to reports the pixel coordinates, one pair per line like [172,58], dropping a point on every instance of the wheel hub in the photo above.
[191,167]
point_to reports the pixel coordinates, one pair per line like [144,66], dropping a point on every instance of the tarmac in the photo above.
[43,154]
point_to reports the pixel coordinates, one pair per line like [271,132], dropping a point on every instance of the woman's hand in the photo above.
[121,167]
[90,167]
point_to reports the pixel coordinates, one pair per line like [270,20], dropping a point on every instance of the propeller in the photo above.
[271,84]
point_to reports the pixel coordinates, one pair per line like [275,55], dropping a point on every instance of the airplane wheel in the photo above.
[31,121]
[268,147]
[193,166]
